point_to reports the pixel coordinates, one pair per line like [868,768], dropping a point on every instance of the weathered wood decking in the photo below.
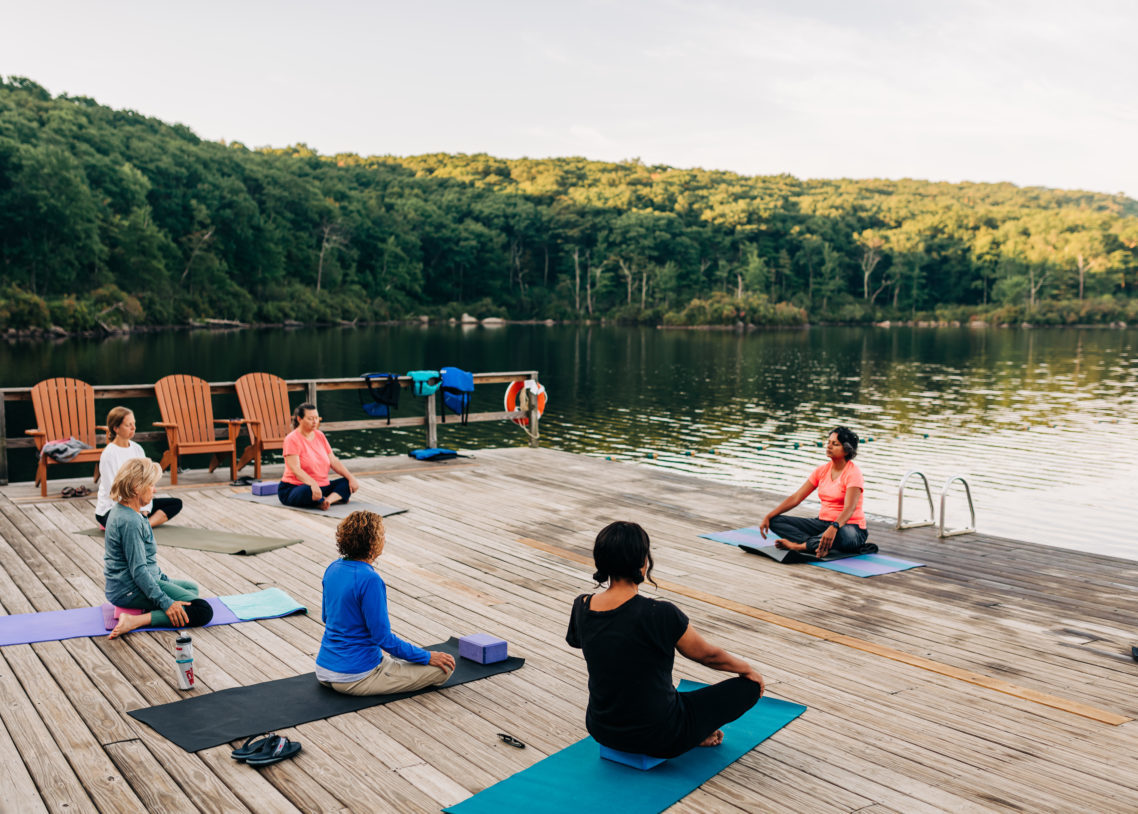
[892,668]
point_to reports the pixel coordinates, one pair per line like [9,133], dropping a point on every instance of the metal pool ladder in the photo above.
[901,524]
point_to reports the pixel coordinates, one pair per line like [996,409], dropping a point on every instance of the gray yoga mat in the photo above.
[219,542]
[338,510]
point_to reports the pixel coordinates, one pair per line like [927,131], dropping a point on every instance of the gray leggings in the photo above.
[850,540]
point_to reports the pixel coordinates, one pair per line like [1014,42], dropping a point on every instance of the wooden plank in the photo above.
[998,685]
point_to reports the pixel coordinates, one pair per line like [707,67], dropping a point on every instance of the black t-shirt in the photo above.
[629,651]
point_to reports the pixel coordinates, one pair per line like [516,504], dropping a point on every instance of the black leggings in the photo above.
[704,711]
[170,505]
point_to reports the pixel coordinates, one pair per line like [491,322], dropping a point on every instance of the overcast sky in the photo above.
[1036,93]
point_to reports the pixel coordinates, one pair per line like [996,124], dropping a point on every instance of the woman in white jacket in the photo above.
[119,450]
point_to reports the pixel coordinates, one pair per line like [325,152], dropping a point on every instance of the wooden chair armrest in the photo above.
[165,424]
[229,421]
[35,432]
[102,427]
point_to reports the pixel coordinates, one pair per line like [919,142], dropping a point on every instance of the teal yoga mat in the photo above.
[858,565]
[575,779]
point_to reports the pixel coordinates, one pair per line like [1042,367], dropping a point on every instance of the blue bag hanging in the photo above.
[457,387]
[424,382]
[384,391]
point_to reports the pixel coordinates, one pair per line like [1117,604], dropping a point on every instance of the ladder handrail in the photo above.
[971,508]
[901,524]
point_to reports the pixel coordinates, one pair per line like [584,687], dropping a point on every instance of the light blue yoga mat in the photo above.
[869,565]
[267,604]
[577,780]
[858,565]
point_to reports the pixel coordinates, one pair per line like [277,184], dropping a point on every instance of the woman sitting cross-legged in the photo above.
[840,524]
[359,654]
[134,579]
[307,457]
[630,642]
[119,450]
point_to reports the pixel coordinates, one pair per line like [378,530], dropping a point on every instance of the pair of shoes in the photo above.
[265,751]
[75,491]
[244,480]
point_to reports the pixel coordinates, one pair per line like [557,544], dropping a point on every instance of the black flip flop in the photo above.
[283,750]
[1134,653]
[256,746]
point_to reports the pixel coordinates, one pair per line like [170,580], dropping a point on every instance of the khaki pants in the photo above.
[391,676]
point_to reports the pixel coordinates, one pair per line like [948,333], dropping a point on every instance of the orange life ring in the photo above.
[513,394]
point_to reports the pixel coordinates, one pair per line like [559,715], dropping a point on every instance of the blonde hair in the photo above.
[134,476]
[115,417]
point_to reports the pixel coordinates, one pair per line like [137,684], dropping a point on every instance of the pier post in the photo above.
[432,423]
[3,443]
[533,414]
[311,397]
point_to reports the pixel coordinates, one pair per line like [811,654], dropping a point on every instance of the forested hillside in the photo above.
[109,214]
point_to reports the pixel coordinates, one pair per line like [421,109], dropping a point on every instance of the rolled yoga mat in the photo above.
[576,779]
[53,626]
[338,510]
[219,542]
[228,715]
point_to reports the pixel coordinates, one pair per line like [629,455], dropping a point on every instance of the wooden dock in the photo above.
[997,678]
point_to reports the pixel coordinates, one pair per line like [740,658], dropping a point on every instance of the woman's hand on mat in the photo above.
[826,541]
[765,526]
[755,676]
[444,660]
[353,484]
[317,495]
[177,615]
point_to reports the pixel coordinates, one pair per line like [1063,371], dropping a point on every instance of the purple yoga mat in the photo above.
[51,626]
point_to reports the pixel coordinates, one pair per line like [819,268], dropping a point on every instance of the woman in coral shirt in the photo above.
[840,524]
[308,457]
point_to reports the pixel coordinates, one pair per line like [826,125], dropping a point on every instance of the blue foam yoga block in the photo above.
[633,759]
[482,648]
[266,487]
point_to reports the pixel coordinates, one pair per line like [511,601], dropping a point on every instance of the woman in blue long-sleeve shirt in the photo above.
[359,654]
[130,562]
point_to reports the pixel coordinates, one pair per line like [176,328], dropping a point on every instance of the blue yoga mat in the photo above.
[53,626]
[576,779]
[858,565]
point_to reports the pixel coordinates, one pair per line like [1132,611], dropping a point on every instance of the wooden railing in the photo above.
[310,387]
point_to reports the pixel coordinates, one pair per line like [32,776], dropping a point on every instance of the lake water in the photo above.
[1043,423]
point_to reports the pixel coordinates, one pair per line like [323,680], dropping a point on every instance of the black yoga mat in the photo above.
[228,715]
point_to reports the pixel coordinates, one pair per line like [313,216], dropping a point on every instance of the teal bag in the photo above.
[424,382]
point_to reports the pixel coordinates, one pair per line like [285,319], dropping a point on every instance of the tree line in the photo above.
[111,215]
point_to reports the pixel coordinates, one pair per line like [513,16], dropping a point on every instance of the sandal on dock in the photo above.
[284,749]
[256,746]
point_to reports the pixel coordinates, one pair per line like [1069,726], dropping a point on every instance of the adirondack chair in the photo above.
[187,417]
[264,403]
[65,408]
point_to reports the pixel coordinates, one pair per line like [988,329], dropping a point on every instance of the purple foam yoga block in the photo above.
[266,487]
[633,759]
[482,648]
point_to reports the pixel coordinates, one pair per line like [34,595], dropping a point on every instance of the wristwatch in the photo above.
[836,524]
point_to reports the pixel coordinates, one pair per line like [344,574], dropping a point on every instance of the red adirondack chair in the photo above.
[65,408]
[264,403]
[187,417]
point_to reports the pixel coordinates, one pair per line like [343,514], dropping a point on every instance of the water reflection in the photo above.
[1042,422]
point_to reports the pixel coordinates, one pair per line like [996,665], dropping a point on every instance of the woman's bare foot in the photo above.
[157,519]
[128,622]
[334,498]
[714,739]
[789,545]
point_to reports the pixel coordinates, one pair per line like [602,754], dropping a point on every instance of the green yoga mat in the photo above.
[338,510]
[577,780]
[219,542]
